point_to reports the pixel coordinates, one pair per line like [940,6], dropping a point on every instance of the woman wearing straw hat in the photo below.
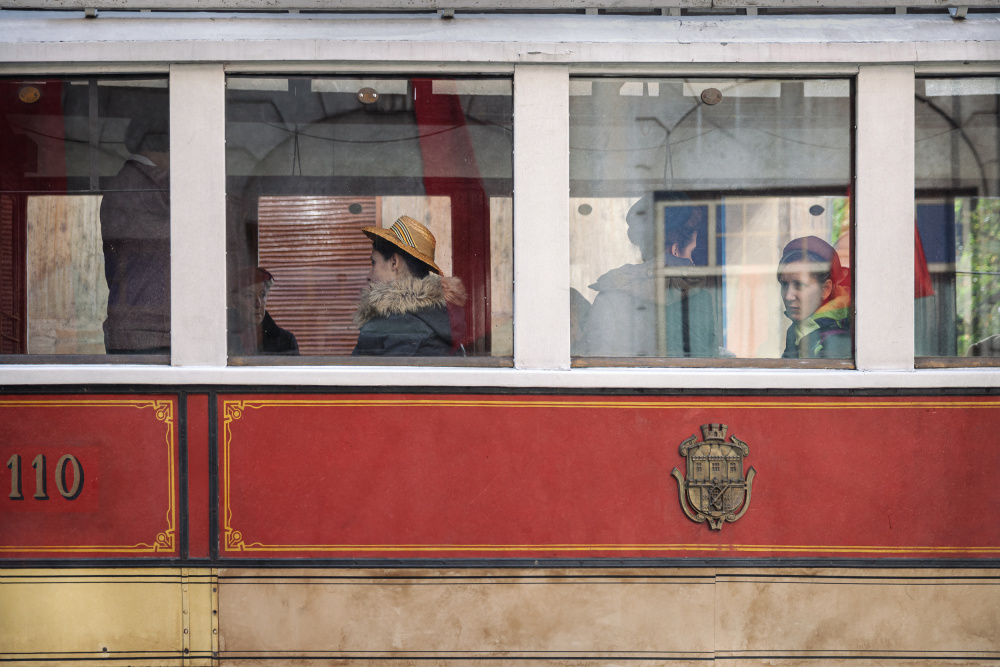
[408,309]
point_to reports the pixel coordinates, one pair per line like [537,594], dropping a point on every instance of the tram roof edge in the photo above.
[490,5]
[65,37]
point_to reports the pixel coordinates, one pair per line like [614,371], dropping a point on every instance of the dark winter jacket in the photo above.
[420,317]
[135,229]
[275,340]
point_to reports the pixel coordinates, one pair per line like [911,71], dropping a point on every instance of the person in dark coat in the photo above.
[817,300]
[408,308]
[256,331]
[135,231]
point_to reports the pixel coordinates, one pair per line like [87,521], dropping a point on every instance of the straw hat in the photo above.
[409,236]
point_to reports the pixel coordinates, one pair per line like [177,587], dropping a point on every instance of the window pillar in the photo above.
[541,217]
[883,265]
[198,215]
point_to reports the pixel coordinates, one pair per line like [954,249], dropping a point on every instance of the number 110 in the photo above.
[68,460]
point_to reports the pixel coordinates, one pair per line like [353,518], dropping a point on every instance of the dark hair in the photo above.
[812,250]
[681,233]
[387,250]
[680,222]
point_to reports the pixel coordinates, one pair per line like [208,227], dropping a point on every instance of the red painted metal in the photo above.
[408,476]
[127,448]
[450,169]
[198,475]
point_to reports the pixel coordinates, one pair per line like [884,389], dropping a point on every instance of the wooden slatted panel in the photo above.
[320,261]
[10,288]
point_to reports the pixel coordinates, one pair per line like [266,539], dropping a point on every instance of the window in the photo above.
[84,217]
[322,170]
[957,308]
[710,219]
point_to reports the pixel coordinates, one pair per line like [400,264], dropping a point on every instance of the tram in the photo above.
[547,332]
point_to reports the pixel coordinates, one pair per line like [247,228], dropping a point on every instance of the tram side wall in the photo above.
[252,527]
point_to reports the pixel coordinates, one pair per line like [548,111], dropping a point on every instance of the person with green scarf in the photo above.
[815,290]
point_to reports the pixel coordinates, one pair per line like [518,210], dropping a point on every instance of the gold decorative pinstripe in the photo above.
[234,540]
[163,410]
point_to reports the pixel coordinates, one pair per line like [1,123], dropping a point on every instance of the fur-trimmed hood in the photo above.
[408,296]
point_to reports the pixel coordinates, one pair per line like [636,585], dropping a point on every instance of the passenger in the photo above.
[816,299]
[135,230]
[408,308]
[257,331]
[623,319]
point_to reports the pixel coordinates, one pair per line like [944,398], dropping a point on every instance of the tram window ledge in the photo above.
[432,362]
[86,359]
[454,378]
[706,363]
[956,362]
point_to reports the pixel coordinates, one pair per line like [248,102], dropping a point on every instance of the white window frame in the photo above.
[541,52]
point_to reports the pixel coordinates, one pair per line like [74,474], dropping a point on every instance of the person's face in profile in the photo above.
[383,270]
[252,303]
[801,292]
[685,253]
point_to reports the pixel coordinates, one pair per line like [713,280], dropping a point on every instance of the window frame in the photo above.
[883,198]
[470,360]
[586,361]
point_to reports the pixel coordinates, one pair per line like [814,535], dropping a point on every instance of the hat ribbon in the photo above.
[402,234]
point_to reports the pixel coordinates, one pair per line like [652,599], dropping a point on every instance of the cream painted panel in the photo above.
[198,216]
[489,661]
[466,614]
[948,614]
[202,612]
[541,217]
[884,219]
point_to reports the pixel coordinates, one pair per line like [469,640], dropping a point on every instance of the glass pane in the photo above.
[319,168]
[84,216]
[710,218]
[957,307]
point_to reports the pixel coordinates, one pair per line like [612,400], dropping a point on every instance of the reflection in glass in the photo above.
[313,162]
[84,216]
[957,307]
[682,205]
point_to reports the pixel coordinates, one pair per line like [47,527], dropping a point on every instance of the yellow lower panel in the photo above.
[122,616]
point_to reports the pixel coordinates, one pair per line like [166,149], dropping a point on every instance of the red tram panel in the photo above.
[89,476]
[465,476]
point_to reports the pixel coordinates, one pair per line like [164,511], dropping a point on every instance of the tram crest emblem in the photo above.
[715,489]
